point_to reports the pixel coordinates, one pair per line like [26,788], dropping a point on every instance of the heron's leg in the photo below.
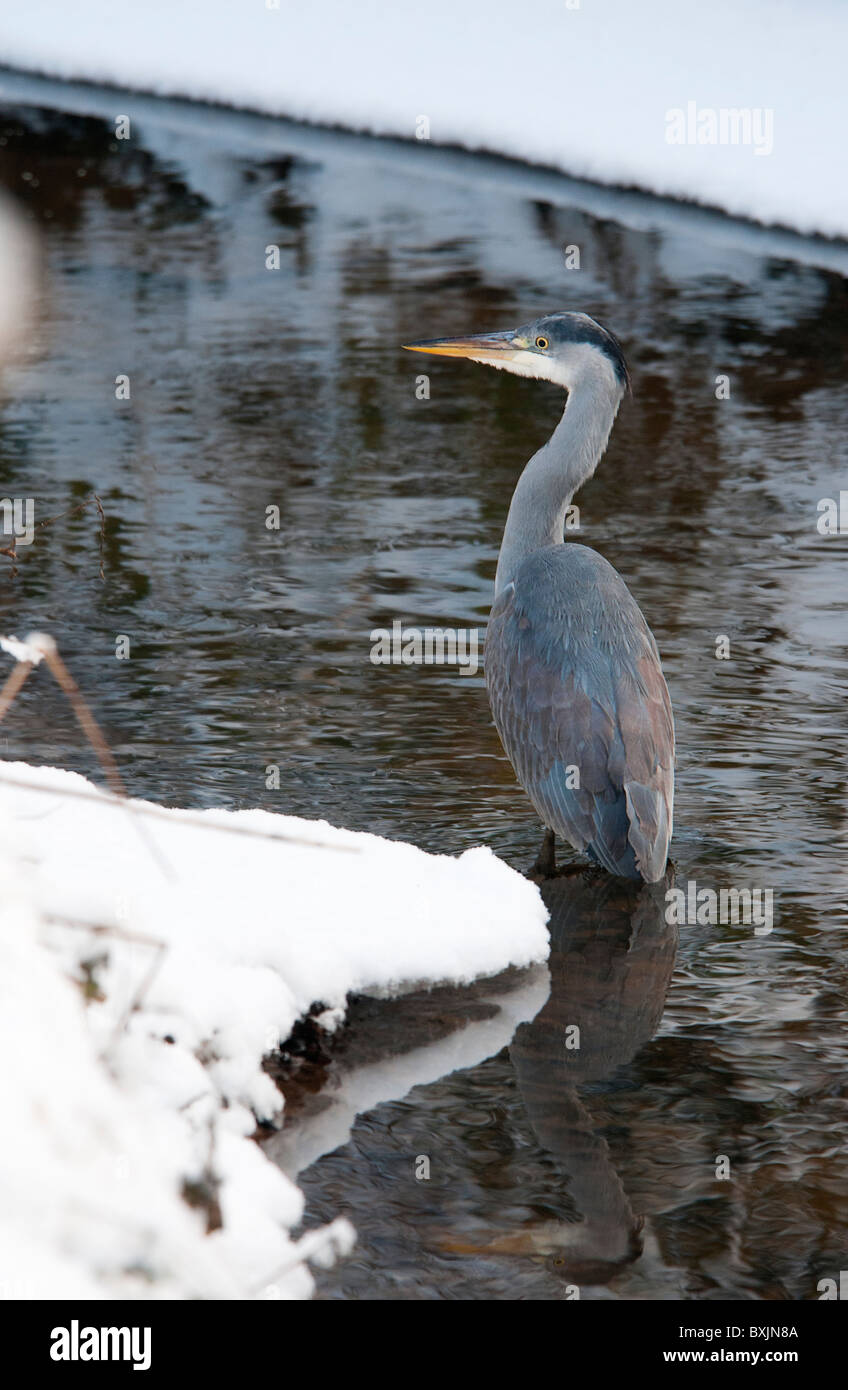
[545,865]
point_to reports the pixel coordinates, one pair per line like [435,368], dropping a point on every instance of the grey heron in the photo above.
[572,669]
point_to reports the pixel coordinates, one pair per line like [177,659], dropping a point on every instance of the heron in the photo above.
[572,670]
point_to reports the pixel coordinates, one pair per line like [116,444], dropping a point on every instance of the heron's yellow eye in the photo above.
[541,342]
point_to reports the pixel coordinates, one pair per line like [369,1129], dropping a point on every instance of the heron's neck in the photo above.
[553,475]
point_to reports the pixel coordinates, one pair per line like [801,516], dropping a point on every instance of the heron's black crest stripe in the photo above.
[579,328]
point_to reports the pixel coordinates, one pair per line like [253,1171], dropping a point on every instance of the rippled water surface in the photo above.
[254,388]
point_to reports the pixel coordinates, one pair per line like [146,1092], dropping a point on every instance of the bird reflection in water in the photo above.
[612,955]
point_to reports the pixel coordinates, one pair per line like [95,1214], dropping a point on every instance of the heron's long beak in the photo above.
[483,347]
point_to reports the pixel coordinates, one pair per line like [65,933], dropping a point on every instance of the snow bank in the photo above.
[583,86]
[149,958]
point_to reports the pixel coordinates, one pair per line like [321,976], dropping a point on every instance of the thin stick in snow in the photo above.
[84,716]
[13,684]
[38,647]
[195,819]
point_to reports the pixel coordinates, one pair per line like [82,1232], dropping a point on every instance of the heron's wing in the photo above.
[582,707]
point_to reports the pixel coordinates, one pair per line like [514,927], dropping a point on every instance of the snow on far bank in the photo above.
[149,958]
[583,85]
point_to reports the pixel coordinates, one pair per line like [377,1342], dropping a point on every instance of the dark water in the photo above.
[253,388]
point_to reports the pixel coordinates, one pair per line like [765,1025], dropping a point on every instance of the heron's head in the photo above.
[565,348]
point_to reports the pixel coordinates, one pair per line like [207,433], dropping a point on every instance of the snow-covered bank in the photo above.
[586,88]
[150,958]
